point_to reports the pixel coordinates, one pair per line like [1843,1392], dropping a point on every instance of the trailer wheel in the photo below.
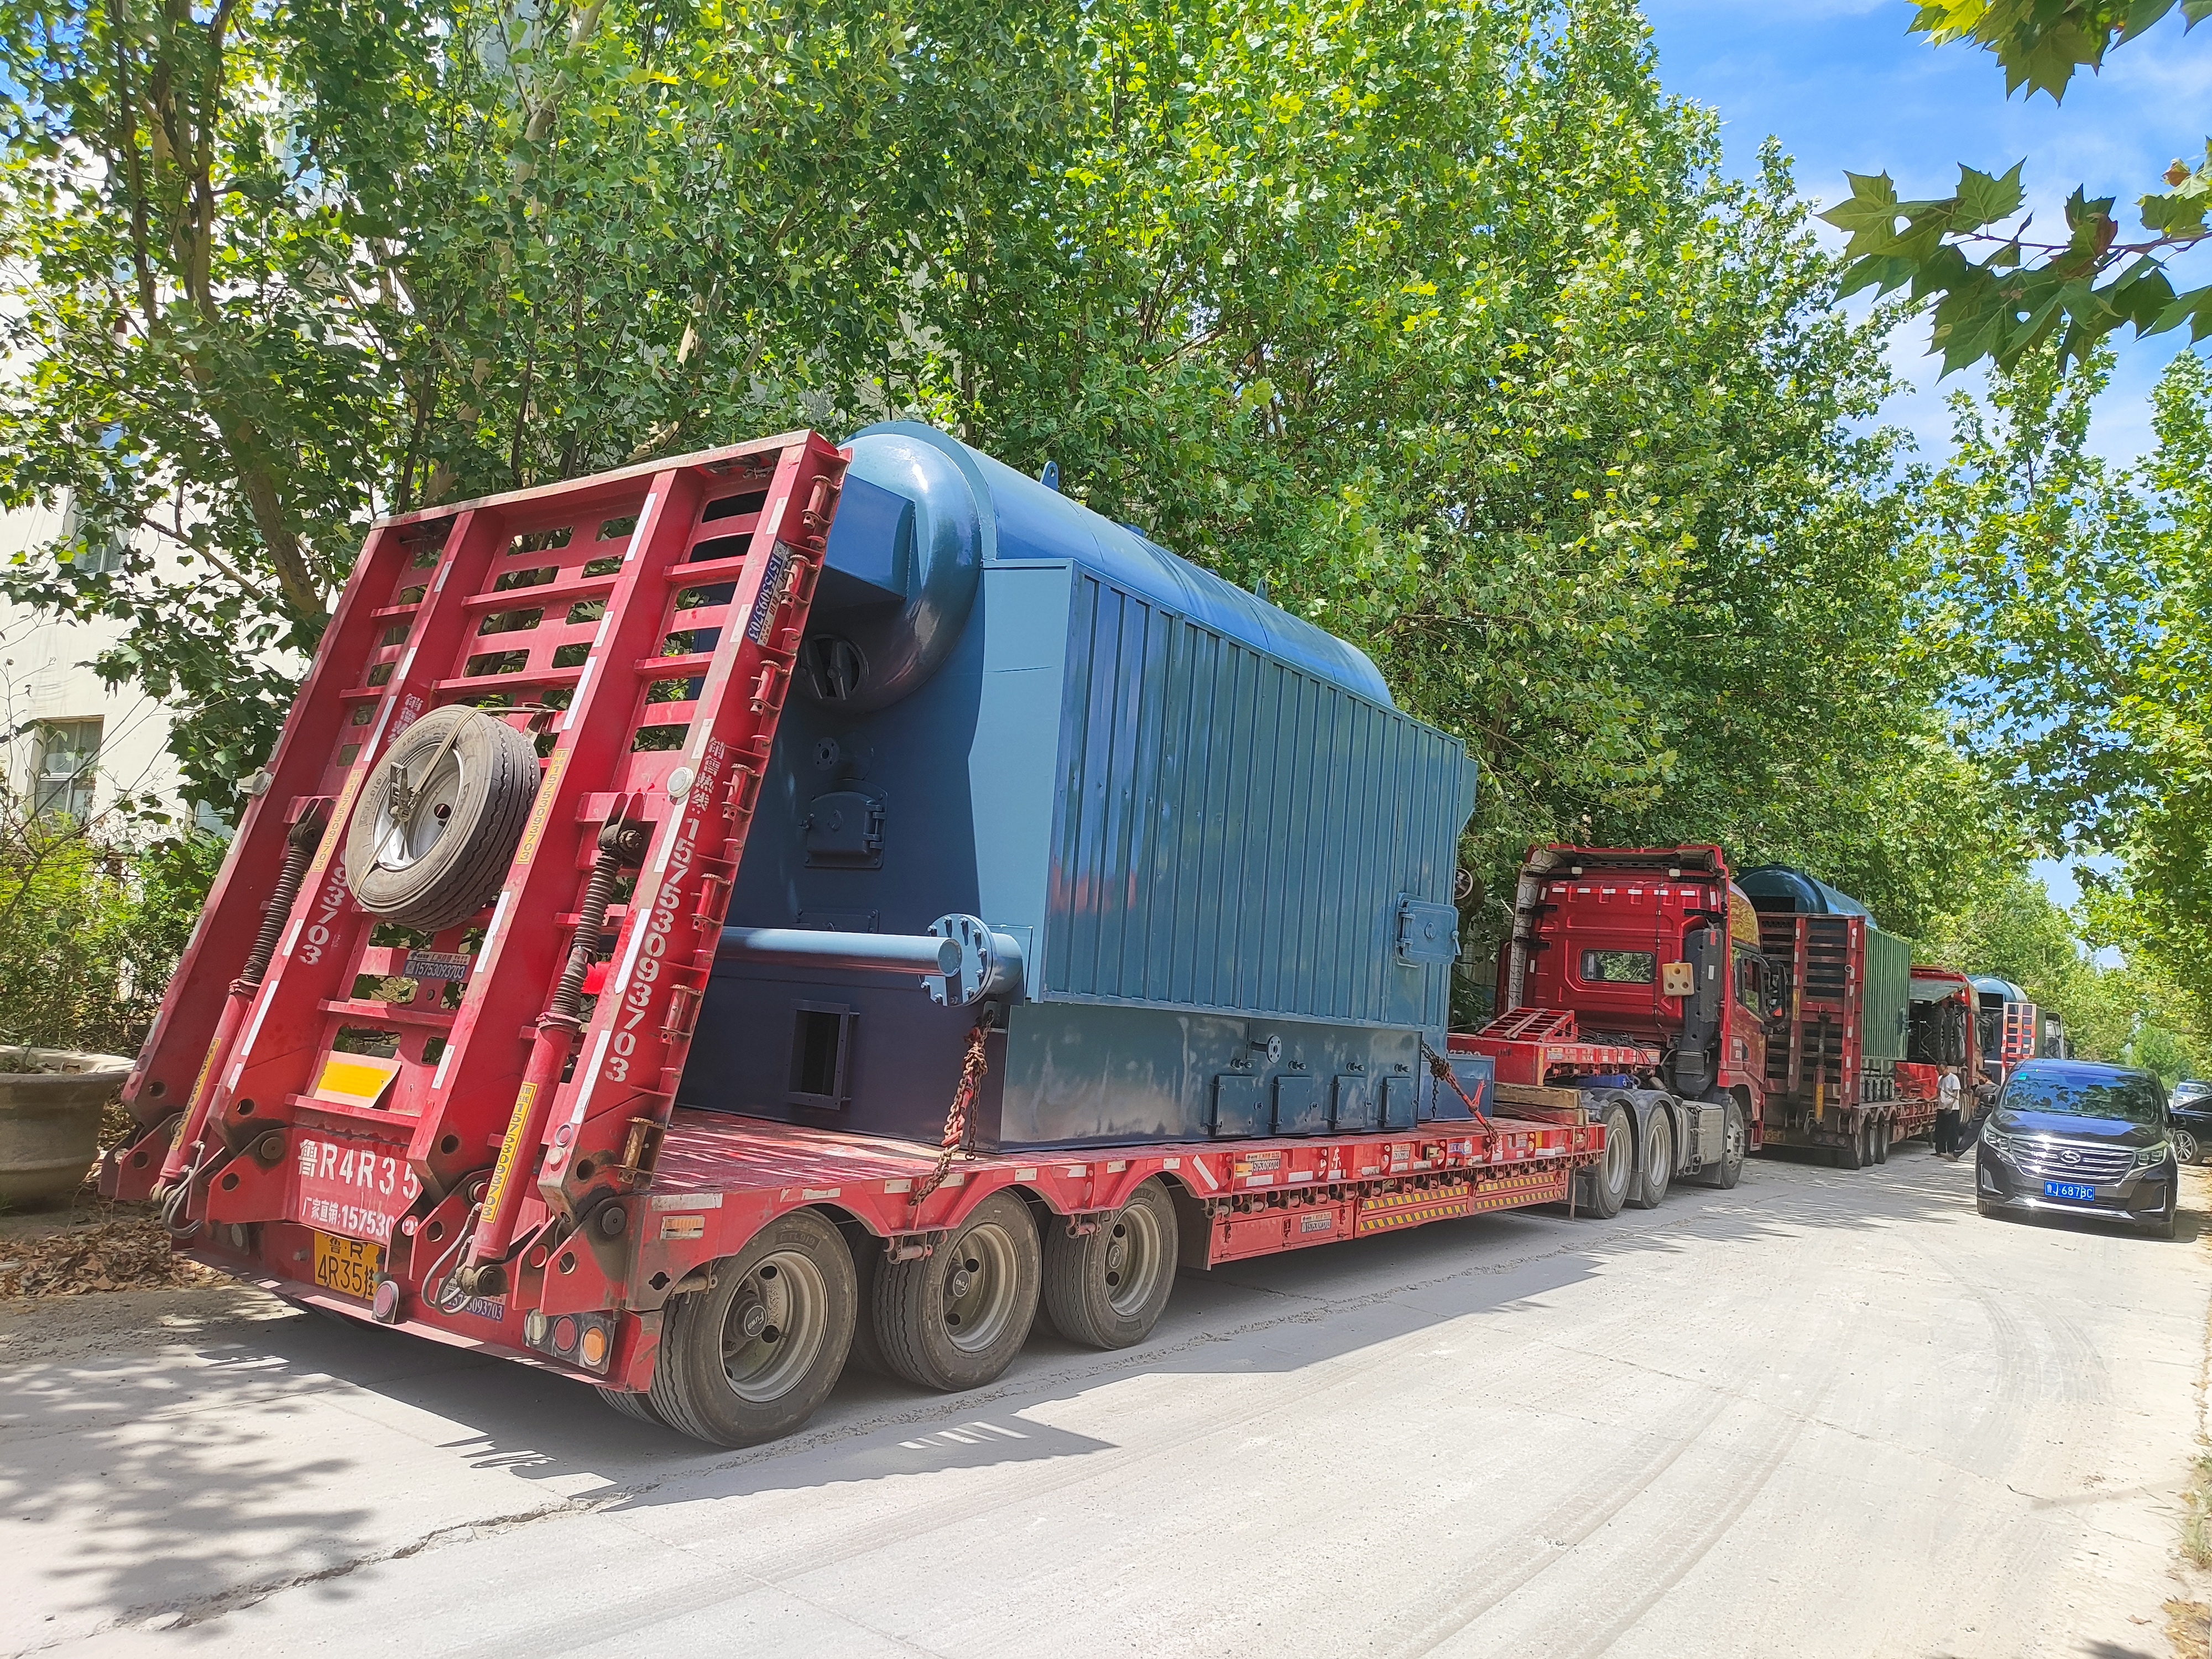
[1881,1141]
[957,1318]
[1109,1288]
[750,1359]
[1605,1184]
[1656,1170]
[1735,1144]
[469,780]
[638,1408]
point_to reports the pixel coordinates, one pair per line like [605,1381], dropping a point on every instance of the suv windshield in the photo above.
[2133,1096]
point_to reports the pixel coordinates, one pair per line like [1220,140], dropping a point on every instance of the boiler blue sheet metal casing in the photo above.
[1227,857]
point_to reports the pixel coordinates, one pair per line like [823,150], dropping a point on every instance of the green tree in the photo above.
[2002,292]
[2077,607]
[2129,1013]
[1448,330]
[269,271]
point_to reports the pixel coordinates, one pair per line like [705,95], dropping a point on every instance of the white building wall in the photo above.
[45,679]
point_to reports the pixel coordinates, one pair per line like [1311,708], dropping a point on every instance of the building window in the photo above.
[65,757]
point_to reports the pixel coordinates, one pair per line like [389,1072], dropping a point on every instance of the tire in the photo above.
[1654,1168]
[1109,1288]
[797,1271]
[2161,1229]
[1605,1184]
[448,863]
[638,1408]
[1985,1208]
[957,1318]
[1852,1154]
[2185,1148]
[1735,1146]
[1881,1141]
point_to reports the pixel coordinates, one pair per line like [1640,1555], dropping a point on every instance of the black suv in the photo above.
[2070,1136]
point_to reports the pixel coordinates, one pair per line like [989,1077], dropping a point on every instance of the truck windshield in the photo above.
[2133,1097]
[1619,967]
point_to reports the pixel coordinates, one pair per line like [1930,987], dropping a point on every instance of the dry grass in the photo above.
[2187,1625]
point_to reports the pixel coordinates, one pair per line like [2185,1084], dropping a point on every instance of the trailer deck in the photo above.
[720,1179]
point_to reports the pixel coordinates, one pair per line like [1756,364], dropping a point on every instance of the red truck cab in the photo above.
[1633,985]
[1655,946]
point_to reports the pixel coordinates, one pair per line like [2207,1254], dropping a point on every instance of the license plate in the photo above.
[2072,1189]
[348,1266]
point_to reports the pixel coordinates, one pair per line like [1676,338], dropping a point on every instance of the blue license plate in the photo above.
[2073,1189]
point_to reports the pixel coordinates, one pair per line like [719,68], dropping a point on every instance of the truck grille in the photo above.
[2048,1160]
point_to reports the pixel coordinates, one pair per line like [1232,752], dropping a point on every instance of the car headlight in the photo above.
[2001,1144]
[2157,1152]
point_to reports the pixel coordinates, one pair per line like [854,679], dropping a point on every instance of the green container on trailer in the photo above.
[1887,998]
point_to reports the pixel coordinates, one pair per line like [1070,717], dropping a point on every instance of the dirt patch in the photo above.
[93,1249]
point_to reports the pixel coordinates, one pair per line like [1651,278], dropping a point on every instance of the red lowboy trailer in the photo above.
[423,1061]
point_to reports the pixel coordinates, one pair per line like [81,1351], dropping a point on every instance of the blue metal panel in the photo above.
[1235,833]
[1076,1073]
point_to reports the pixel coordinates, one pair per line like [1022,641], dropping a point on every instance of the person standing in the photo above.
[1947,1099]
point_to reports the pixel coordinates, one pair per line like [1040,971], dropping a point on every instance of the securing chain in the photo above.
[1441,1069]
[963,1101]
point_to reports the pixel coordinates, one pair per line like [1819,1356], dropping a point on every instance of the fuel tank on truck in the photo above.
[1224,858]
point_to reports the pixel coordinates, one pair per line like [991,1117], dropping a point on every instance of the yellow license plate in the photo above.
[348,1266]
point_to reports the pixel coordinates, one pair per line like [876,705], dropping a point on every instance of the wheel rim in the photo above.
[2185,1147]
[402,847]
[980,1287]
[1619,1155]
[775,1328]
[1134,1252]
[1661,1165]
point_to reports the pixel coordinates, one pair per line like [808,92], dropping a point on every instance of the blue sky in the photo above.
[1843,85]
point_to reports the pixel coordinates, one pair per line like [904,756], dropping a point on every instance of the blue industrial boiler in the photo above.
[1176,848]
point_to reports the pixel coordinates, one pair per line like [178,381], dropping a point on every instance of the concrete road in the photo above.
[1823,1414]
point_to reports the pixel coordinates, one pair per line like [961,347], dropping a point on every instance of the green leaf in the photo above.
[1984,200]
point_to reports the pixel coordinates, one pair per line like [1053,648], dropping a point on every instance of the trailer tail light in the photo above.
[585,1341]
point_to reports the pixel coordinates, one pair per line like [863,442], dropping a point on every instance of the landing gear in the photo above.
[750,1359]
[956,1318]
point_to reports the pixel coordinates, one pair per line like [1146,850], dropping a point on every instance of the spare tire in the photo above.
[436,827]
